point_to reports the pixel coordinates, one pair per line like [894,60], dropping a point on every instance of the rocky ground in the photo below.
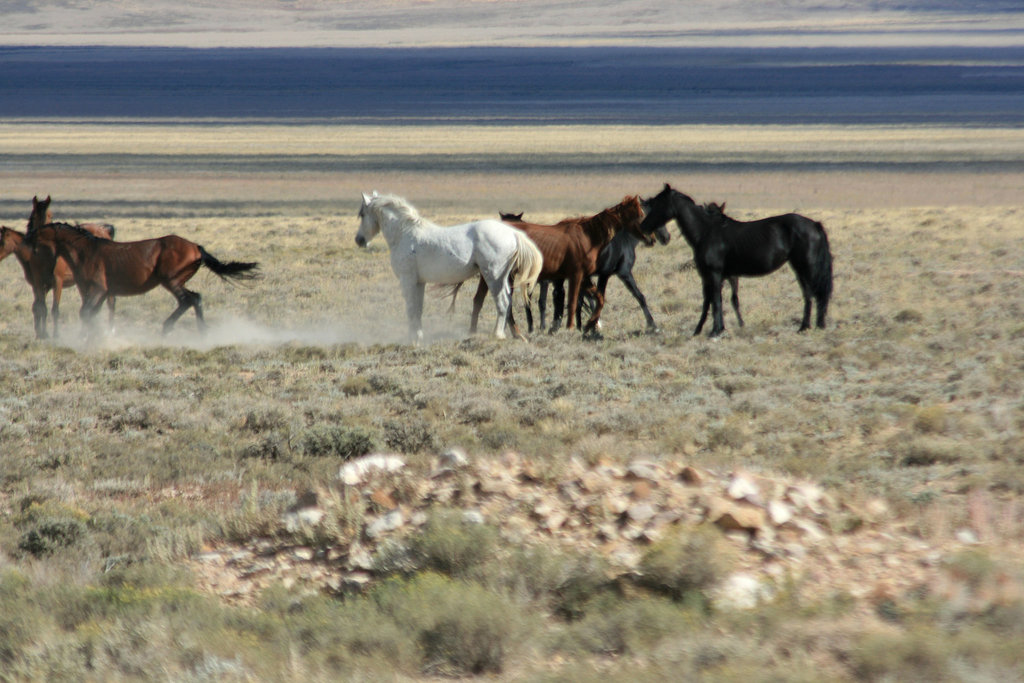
[785,532]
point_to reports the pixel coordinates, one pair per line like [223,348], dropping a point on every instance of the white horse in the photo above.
[423,252]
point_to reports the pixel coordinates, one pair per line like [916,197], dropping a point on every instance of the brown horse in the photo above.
[570,249]
[43,277]
[103,268]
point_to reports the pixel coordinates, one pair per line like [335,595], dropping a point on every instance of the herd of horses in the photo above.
[576,249]
[505,253]
[55,255]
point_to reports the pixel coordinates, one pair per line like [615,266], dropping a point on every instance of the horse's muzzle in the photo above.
[360,241]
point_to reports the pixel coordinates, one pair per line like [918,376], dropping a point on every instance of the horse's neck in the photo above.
[691,226]
[597,232]
[21,250]
[397,228]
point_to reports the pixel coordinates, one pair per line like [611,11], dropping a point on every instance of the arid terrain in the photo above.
[768,504]
[301,495]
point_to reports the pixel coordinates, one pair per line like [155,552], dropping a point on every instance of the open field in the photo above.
[145,481]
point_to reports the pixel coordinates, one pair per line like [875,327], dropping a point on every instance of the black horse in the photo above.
[724,248]
[618,258]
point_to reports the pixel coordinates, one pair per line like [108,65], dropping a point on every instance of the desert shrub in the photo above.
[272,446]
[340,637]
[259,420]
[460,627]
[617,626]
[340,440]
[410,436]
[920,654]
[565,581]
[450,544]
[691,561]
[52,535]
[356,385]
[922,451]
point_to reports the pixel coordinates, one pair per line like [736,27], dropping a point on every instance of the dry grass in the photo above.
[134,453]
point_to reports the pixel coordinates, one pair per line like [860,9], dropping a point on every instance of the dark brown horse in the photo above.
[103,268]
[570,249]
[43,277]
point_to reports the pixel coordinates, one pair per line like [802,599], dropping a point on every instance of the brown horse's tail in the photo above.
[235,270]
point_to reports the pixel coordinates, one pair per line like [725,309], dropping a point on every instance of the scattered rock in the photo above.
[454,458]
[781,529]
[388,522]
[357,471]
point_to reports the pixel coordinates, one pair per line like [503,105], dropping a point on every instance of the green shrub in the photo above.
[688,562]
[451,545]
[919,655]
[461,628]
[618,626]
[341,440]
[410,436]
[52,535]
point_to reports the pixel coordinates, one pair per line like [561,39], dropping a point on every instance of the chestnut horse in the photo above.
[103,268]
[570,249]
[43,278]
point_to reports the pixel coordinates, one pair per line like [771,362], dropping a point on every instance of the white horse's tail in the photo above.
[528,263]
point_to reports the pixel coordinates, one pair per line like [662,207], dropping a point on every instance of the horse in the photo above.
[423,252]
[617,258]
[724,248]
[557,294]
[43,278]
[103,268]
[570,250]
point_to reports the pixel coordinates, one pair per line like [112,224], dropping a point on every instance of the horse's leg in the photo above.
[587,289]
[558,299]
[572,299]
[502,293]
[413,291]
[805,289]
[630,283]
[92,300]
[478,303]
[186,299]
[39,311]
[197,306]
[543,303]
[595,317]
[58,287]
[703,314]
[713,291]
[529,316]
[512,324]
[734,282]
[110,317]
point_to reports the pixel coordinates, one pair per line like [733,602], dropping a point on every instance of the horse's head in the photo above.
[663,207]
[8,242]
[369,224]
[630,213]
[715,212]
[40,215]
[514,217]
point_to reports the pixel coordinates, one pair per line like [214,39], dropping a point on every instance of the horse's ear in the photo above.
[667,188]
[366,199]
[722,207]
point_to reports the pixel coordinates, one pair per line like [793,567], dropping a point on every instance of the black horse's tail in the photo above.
[236,270]
[821,280]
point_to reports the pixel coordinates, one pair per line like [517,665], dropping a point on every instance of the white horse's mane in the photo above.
[410,217]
